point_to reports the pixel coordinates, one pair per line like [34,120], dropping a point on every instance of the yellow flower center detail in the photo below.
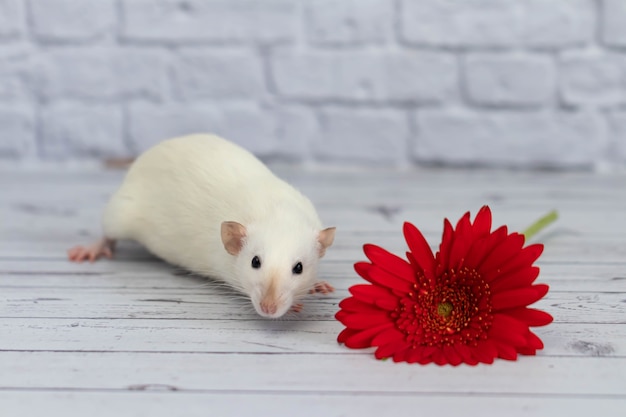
[445,309]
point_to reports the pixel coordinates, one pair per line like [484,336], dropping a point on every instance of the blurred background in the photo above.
[506,83]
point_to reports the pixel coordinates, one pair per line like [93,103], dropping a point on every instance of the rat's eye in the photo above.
[256,262]
[297,268]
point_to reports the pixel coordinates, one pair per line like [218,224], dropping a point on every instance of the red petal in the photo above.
[524,259]
[427,354]
[428,351]
[444,248]
[466,354]
[365,320]
[482,223]
[352,305]
[506,351]
[370,293]
[530,316]
[502,254]
[526,351]
[439,358]
[463,223]
[388,350]
[519,297]
[362,269]
[462,242]
[414,355]
[485,352]
[386,303]
[508,330]
[401,355]
[477,252]
[452,356]
[481,249]
[383,278]
[389,262]
[391,335]
[363,339]
[419,248]
[346,333]
[341,315]
[534,341]
[519,279]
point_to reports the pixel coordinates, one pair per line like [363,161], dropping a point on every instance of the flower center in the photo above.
[455,307]
[444,309]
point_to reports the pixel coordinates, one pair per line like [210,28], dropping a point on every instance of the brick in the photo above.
[12,18]
[12,85]
[561,139]
[617,135]
[17,132]
[349,22]
[484,23]
[60,20]
[102,73]
[364,135]
[264,21]
[76,130]
[559,23]
[593,78]
[420,77]
[498,23]
[613,22]
[224,74]
[15,72]
[296,128]
[243,123]
[515,80]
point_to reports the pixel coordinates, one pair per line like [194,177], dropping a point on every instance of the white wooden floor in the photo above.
[135,337]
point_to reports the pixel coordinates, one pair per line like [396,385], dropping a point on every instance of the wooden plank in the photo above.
[129,274]
[75,194]
[314,404]
[348,247]
[253,336]
[431,181]
[215,303]
[373,216]
[307,372]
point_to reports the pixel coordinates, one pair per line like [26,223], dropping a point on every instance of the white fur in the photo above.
[176,196]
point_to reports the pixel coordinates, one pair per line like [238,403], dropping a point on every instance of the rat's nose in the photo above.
[268,307]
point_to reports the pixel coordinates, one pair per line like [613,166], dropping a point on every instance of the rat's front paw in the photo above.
[103,247]
[322,287]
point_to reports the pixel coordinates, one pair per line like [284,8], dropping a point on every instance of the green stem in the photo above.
[540,224]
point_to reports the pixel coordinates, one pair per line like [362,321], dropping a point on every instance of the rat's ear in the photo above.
[233,234]
[326,238]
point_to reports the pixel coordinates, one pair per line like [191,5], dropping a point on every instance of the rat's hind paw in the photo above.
[322,287]
[103,247]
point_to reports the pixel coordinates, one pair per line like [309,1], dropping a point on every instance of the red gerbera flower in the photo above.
[468,303]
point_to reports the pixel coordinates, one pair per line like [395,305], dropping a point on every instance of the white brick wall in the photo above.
[509,80]
[207,74]
[349,22]
[71,20]
[365,76]
[510,138]
[17,130]
[73,130]
[12,19]
[393,82]
[212,21]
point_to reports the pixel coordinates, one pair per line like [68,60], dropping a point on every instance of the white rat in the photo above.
[211,207]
